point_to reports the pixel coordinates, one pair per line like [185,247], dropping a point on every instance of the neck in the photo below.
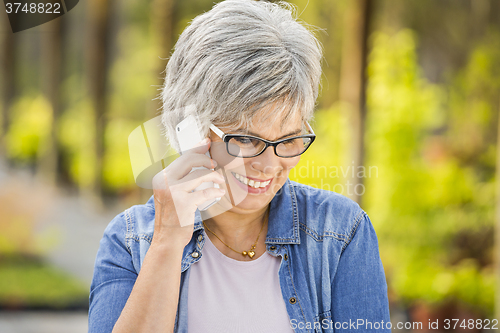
[240,232]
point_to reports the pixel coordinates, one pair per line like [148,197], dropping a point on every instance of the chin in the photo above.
[253,202]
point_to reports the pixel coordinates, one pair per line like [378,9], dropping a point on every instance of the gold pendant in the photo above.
[244,253]
[251,254]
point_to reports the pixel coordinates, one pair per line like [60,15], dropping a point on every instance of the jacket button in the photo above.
[272,248]
[285,256]
[195,254]
[200,238]
[293,300]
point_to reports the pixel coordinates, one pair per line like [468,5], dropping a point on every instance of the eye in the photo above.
[243,140]
[291,142]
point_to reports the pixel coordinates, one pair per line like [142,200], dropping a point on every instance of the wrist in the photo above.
[169,243]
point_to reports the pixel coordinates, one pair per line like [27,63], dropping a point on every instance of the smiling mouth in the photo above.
[250,182]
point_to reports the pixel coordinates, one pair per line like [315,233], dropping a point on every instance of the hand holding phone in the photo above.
[188,136]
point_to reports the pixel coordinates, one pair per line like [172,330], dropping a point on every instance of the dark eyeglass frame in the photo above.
[226,137]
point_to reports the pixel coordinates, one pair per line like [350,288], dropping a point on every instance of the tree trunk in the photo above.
[480,14]
[7,75]
[162,27]
[497,223]
[98,46]
[331,54]
[353,87]
[51,82]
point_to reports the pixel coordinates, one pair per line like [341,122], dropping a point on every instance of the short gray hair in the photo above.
[237,59]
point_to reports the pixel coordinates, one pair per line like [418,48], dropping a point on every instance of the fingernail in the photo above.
[221,190]
[214,163]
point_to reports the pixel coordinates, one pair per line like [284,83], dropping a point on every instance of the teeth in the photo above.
[251,182]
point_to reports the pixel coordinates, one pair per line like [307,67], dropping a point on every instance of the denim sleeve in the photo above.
[114,277]
[359,288]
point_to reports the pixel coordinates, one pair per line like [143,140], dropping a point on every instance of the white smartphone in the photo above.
[188,136]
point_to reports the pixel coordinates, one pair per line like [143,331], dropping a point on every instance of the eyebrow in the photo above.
[257,135]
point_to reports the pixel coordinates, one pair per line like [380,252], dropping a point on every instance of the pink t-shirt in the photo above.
[227,295]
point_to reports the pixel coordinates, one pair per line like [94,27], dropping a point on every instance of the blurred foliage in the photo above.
[431,133]
[76,135]
[31,119]
[28,283]
[430,200]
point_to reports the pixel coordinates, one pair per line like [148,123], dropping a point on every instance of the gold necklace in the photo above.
[250,252]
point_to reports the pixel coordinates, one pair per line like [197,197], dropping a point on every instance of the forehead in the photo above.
[275,119]
[270,126]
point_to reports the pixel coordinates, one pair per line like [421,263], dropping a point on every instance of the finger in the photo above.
[190,185]
[184,164]
[200,148]
[197,173]
[210,193]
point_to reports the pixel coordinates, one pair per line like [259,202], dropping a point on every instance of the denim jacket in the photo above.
[331,275]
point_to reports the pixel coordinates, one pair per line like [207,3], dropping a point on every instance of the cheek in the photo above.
[289,163]
[224,160]
[279,170]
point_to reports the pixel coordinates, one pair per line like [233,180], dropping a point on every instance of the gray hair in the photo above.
[238,58]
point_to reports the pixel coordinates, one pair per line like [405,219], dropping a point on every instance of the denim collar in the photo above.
[283,225]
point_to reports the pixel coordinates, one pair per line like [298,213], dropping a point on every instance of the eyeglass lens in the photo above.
[249,146]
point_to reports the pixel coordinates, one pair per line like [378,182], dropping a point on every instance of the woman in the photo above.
[271,255]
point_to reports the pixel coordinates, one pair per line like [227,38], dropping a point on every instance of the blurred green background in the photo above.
[407,124]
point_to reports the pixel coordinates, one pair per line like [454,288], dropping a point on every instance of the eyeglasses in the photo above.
[246,146]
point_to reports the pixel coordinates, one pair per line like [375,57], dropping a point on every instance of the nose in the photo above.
[267,163]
